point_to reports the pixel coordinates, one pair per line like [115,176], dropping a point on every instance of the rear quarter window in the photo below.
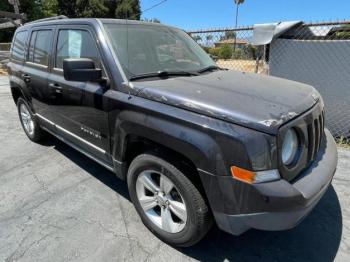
[18,46]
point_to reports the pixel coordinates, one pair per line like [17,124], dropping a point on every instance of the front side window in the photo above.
[18,46]
[39,47]
[76,44]
[144,49]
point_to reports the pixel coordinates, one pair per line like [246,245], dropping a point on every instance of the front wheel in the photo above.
[167,201]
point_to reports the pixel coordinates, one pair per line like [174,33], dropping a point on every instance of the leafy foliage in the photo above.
[225,52]
[91,8]
[209,37]
[151,20]
[128,9]
[32,8]
[228,35]
[343,34]
[197,38]
[37,9]
[50,8]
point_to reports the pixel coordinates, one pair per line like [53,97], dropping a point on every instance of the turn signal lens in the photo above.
[254,177]
[243,175]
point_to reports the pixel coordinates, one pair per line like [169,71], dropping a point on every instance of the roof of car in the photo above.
[61,20]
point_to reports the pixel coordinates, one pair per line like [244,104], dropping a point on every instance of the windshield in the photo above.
[146,49]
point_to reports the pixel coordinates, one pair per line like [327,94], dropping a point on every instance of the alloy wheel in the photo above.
[27,120]
[161,201]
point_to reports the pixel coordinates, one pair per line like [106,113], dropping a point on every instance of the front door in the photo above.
[81,115]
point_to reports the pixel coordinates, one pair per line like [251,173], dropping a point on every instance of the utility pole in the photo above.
[15,4]
[237,2]
[8,19]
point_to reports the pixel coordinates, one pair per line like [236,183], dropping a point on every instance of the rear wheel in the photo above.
[29,123]
[167,201]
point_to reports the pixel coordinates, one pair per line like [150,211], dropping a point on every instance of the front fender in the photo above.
[210,144]
[199,147]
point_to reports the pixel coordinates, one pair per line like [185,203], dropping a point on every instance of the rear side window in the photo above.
[39,47]
[18,46]
[76,44]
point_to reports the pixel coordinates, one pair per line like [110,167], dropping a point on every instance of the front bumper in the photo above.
[276,205]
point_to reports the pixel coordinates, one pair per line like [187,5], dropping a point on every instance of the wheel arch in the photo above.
[20,89]
[136,133]
[16,93]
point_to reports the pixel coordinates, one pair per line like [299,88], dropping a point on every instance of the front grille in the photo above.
[315,132]
[310,128]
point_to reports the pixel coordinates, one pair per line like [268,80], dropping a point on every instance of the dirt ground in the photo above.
[3,72]
[241,65]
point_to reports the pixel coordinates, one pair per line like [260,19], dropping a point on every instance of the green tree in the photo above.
[252,51]
[209,37]
[197,38]
[32,9]
[228,35]
[151,20]
[128,9]
[49,8]
[343,33]
[67,8]
[6,34]
[225,52]
[214,51]
[91,8]
[37,9]
[5,6]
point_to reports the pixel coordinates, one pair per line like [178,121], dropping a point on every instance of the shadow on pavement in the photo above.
[317,238]
[104,175]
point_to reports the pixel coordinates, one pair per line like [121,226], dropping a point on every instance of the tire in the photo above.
[180,230]
[34,133]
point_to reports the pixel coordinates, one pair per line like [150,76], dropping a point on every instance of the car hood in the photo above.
[256,101]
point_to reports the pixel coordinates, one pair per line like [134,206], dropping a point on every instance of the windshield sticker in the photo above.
[74,45]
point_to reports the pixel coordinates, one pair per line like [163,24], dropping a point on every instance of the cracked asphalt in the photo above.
[57,205]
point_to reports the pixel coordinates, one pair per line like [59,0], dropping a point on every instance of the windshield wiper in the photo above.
[163,74]
[209,68]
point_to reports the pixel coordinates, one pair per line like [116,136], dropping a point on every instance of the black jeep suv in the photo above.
[194,142]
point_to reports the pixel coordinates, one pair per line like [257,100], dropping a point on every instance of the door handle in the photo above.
[56,88]
[26,78]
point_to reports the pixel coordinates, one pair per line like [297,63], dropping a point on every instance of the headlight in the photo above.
[289,147]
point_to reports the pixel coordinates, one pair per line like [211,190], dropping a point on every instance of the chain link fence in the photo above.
[317,54]
[231,48]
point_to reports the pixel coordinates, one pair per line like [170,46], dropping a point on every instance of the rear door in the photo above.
[37,67]
[80,110]
[17,58]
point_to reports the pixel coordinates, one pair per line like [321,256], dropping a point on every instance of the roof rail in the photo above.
[48,19]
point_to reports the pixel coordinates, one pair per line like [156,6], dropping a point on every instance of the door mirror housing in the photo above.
[81,70]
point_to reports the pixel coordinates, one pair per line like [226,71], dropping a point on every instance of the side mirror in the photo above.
[81,70]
